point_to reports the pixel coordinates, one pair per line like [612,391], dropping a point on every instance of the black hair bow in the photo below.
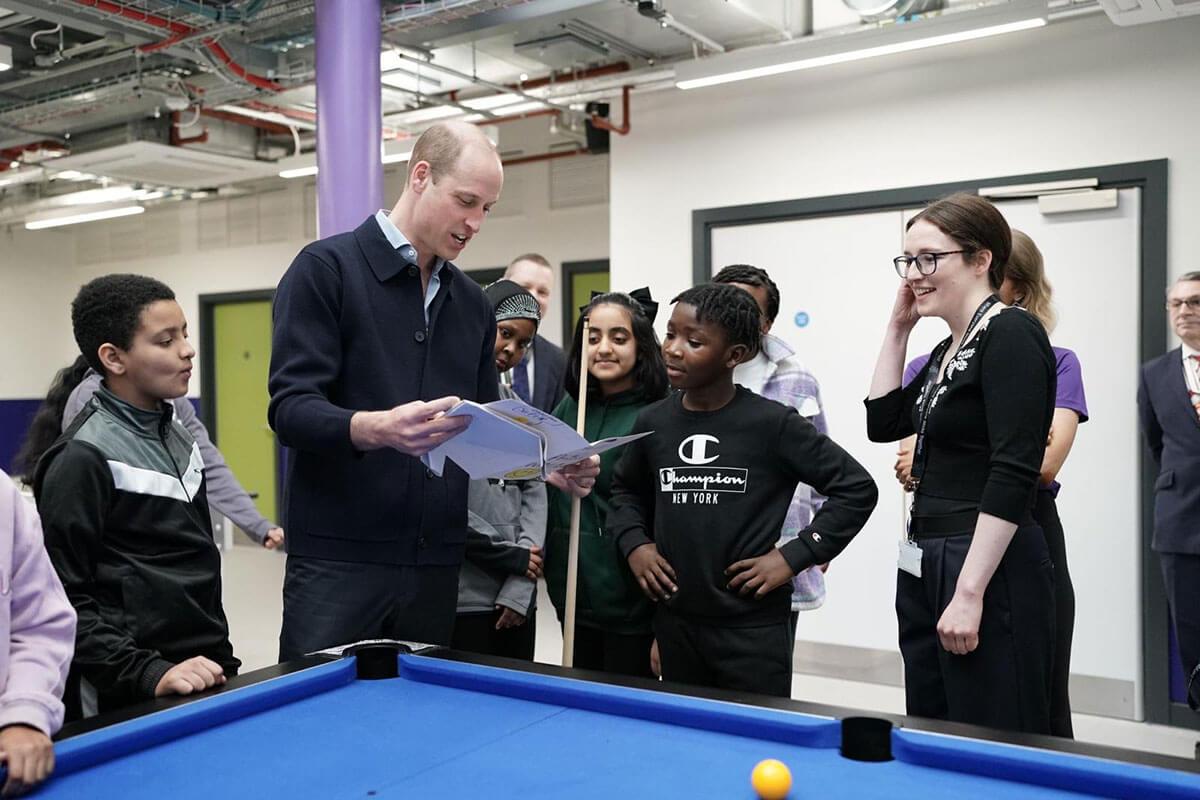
[640,296]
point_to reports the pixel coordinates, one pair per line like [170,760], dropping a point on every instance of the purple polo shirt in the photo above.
[1069,393]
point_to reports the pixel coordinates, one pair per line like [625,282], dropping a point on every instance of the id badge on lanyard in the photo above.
[910,555]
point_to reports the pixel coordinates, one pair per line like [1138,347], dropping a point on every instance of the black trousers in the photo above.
[757,659]
[1005,682]
[1181,574]
[1045,513]
[618,653]
[476,633]
[330,603]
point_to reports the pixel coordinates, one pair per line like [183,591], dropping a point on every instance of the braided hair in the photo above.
[733,309]
[752,276]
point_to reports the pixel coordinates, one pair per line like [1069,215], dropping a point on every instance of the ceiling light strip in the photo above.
[863,53]
[86,216]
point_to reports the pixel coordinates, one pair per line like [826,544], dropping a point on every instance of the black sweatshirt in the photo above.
[711,488]
[121,497]
[986,434]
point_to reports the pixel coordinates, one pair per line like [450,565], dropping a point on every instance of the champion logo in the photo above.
[694,449]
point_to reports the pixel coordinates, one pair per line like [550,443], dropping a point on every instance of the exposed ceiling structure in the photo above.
[169,97]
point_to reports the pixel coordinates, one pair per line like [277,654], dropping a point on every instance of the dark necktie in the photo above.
[520,381]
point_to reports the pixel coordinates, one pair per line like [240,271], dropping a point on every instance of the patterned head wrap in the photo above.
[510,301]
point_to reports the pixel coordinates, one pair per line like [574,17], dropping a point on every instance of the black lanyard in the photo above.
[929,390]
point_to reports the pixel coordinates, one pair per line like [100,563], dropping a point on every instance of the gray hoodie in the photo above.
[504,520]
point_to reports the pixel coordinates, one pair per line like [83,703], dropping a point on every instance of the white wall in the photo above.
[236,244]
[36,273]
[1076,94]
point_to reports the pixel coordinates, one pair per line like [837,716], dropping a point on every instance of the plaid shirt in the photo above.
[778,375]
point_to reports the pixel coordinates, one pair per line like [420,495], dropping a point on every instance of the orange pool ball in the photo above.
[771,779]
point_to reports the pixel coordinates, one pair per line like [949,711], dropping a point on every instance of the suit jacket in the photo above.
[1172,432]
[549,368]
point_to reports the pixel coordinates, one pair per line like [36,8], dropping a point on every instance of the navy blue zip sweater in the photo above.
[350,335]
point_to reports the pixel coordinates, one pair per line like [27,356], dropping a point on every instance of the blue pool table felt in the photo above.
[412,737]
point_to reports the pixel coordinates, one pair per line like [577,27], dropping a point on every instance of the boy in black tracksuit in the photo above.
[122,502]
[697,507]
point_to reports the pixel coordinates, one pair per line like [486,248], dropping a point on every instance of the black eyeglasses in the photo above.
[1193,304]
[926,262]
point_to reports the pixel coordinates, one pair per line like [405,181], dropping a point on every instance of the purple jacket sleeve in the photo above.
[41,621]
[225,494]
[1069,391]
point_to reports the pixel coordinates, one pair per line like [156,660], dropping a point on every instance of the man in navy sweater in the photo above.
[376,336]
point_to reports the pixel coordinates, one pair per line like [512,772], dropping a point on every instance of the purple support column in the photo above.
[350,181]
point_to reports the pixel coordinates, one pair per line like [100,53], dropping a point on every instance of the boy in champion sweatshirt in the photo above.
[697,506]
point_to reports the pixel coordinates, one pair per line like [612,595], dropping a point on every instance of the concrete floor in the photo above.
[253,579]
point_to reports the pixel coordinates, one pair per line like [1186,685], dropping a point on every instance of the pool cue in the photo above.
[568,657]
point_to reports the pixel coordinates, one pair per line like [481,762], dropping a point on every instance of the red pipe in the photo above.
[237,69]
[178,141]
[603,124]
[544,157]
[11,154]
[261,124]
[294,113]
[517,117]
[594,72]
[180,31]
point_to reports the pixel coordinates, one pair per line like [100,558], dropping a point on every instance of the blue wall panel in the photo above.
[15,416]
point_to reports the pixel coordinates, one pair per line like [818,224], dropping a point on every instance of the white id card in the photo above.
[910,558]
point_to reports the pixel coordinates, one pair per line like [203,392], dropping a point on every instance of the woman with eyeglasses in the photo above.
[1025,285]
[974,593]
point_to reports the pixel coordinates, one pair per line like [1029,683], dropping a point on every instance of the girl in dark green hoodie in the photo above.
[625,374]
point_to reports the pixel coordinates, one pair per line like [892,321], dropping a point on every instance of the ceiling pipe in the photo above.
[594,72]
[509,162]
[178,141]
[603,124]
[518,117]
[179,31]
[261,124]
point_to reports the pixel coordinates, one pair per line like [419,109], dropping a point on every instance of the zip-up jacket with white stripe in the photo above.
[121,496]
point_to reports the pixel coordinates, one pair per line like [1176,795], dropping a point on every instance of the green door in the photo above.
[242,345]
[581,286]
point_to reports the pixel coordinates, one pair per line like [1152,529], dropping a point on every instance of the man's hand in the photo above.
[534,570]
[578,478]
[760,575]
[654,574]
[958,627]
[509,618]
[655,660]
[274,539]
[414,428]
[29,756]
[194,675]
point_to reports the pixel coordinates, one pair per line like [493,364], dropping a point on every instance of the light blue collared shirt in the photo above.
[409,253]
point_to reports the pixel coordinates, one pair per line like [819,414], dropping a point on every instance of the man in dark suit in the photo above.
[1169,405]
[538,379]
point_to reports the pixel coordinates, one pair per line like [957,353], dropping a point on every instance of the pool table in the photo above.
[451,724]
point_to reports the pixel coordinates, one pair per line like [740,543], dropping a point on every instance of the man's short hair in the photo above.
[441,146]
[1188,276]
[536,258]
[108,310]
